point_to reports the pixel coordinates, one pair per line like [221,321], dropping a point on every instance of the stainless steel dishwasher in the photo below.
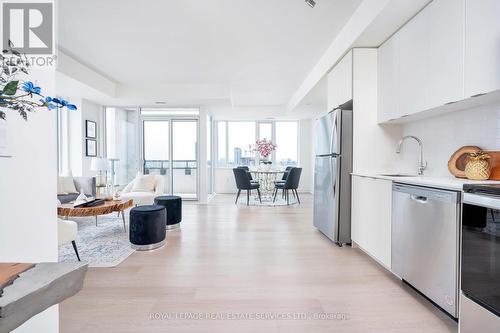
[425,242]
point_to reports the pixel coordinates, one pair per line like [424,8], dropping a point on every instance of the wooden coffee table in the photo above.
[67,210]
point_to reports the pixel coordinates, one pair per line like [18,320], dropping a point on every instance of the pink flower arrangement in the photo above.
[265,147]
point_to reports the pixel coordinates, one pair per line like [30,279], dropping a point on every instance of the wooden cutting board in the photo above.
[10,271]
[495,164]
[459,159]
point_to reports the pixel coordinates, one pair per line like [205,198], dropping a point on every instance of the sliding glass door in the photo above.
[156,150]
[184,157]
[170,149]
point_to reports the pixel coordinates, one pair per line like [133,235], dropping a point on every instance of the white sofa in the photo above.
[67,232]
[144,197]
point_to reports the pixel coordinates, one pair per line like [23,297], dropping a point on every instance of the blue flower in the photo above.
[29,87]
[53,103]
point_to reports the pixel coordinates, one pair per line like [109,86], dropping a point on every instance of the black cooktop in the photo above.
[492,189]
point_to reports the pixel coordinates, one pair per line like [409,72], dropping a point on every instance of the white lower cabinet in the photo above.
[371,217]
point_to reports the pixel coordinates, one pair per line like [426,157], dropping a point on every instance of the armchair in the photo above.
[67,232]
[143,197]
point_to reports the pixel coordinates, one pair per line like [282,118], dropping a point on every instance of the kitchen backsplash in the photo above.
[442,135]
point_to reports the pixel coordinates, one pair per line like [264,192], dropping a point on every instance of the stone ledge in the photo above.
[37,289]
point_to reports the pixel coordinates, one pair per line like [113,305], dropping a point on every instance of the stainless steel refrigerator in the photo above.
[332,174]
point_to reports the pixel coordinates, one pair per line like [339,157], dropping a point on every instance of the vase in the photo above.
[477,169]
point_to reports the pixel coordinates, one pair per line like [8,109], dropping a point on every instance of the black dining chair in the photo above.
[285,174]
[291,183]
[244,183]
[247,169]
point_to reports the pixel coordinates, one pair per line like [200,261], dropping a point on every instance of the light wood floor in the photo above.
[254,261]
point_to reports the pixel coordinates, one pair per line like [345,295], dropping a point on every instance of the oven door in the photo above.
[480,277]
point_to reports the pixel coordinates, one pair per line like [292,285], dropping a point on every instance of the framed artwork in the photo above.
[90,129]
[91,148]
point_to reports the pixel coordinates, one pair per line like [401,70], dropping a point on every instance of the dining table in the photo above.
[266,179]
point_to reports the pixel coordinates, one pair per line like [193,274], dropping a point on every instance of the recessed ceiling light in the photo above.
[311,3]
[160,102]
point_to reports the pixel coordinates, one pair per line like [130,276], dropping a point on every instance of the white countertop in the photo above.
[449,183]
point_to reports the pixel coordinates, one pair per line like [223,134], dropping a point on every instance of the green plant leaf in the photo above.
[10,88]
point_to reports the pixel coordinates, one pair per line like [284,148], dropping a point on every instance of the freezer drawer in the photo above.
[425,236]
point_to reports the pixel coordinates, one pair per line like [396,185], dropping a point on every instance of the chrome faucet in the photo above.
[421,163]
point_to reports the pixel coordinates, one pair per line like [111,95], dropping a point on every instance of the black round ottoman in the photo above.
[173,205]
[147,227]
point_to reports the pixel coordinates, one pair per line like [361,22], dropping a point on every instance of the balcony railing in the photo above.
[164,165]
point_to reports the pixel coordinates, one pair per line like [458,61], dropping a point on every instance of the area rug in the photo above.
[266,201]
[106,245]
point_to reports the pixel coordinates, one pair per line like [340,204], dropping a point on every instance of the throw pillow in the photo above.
[67,184]
[144,183]
[60,187]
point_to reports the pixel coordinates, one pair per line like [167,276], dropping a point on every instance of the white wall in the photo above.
[94,112]
[373,145]
[79,163]
[28,227]
[443,135]
[306,155]
[75,133]
[202,152]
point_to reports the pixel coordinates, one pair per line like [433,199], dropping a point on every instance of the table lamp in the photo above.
[99,164]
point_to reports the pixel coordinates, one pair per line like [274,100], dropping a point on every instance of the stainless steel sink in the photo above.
[396,175]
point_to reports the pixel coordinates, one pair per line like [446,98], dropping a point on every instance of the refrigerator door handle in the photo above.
[333,132]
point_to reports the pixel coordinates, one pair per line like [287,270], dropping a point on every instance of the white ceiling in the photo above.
[260,50]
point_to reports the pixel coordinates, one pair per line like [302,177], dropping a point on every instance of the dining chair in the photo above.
[247,169]
[291,183]
[244,183]
[285,174]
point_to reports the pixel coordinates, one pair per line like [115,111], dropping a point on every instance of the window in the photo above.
[236,142]
[110,132]
[241,142]
[222,143]
[156,141]
[266,131]
[287,142]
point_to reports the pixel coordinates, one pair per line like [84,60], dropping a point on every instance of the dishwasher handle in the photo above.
[419,198]
[426,194]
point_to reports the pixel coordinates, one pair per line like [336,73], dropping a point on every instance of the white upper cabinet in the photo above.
[446,56]
[340,82]
[388,80]
[482,46]
[414,64]
[427,59]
